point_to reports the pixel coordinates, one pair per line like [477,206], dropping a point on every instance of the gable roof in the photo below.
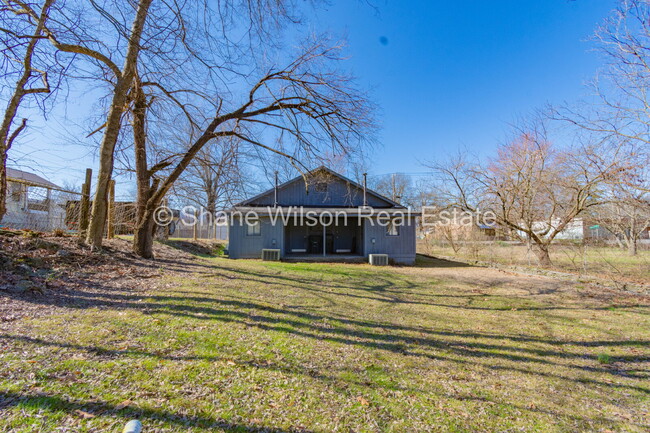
[312,173]
[29,178]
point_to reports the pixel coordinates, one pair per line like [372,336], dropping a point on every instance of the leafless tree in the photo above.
[625,213]
[215,179]
[303,110]
[530,188]
[165,42]
[69,36]
[395,186]
[620,115]
[425,193]
[24,73]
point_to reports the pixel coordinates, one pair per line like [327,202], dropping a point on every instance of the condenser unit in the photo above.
[271,254]
[378,259]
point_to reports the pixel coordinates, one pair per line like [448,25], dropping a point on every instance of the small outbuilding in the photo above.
[30,204]
[322,216]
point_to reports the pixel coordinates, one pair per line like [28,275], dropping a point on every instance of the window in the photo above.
[392,229]
[321,187]
[253,229]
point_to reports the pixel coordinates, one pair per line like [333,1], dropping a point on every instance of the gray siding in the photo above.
[399,248]
[242,246]
[339,194]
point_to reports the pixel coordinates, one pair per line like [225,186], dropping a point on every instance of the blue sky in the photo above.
[445,74]
[453,74]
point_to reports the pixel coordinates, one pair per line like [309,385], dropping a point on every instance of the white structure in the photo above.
[30,204]
[574,230]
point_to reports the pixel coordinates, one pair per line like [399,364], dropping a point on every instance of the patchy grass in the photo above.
[614,264]
[249,346]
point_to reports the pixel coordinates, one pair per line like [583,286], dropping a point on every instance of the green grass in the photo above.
[249,346]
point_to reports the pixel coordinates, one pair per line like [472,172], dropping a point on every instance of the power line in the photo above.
[402,173]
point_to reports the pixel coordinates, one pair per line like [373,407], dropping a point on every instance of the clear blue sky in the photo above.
[454,73]
[444,74]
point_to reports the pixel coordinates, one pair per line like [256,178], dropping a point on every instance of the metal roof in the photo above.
[311,173]
[361,211]
[29,178]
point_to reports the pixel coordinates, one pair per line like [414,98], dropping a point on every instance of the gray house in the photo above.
[322,216]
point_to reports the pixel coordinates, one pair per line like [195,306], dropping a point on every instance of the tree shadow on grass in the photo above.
[45,401]
[457,347]
[469,348]
[42,401]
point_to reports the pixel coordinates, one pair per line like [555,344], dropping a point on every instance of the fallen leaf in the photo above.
[363,401]
[124,404]
[83,414]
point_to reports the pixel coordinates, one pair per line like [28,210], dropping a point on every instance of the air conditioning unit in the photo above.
[378,259]
[271,254]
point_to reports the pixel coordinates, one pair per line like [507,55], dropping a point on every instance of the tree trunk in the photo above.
[631,241]
[632,246]
[113,125]
[20,91]
[618,241]
[143,236]
[145,223]
[3,182]
[542,254]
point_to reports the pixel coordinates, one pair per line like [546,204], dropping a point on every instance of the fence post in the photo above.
[111,210]
[194,226]
[85,204]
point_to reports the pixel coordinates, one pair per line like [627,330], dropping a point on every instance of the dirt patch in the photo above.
[40,273]
[513,283]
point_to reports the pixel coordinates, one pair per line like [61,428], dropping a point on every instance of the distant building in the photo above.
[30,204]
[575,229]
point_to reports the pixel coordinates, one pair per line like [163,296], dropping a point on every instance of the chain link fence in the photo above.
[39,208]
[46,208]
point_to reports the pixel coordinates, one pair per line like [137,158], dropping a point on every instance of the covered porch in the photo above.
[339,241]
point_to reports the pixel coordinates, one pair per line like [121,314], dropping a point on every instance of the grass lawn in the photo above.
[613,264]
[251,346]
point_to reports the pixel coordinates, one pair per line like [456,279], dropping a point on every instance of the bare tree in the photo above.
[625,213]
[529,188]
[124,81]
[396,186]
[201,40]
[620,115]
[303,110]
[215,179]
[121,79]
[22,61]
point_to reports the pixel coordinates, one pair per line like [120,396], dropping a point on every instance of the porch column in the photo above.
[324,242]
